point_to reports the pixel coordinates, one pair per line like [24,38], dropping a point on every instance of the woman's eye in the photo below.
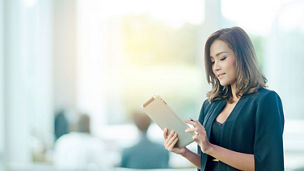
[212,62]
[223,58]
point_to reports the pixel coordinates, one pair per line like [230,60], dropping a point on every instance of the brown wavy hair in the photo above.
[249,78]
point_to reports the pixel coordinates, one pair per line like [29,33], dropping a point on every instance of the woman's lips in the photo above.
[220,76]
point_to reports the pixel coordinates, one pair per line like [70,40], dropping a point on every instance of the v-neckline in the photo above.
[225,101]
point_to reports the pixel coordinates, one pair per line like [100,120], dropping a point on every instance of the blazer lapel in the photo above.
[208,120]
[218,107]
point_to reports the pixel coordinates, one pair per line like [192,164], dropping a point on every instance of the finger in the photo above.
[200,128]
[171,146]
[169,136]
[190,122]
[168,139]
[195,137]
[199,125]
[172,133]
[166,133]
[171,139]
[197,122]
[190,129]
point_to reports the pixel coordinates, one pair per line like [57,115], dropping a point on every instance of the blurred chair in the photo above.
[145,154]
[80,150]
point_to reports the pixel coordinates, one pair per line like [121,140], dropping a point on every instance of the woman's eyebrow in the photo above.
[221,53]
[211,57]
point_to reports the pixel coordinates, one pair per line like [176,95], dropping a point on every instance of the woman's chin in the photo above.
[223,83]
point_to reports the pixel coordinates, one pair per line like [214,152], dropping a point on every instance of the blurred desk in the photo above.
[49,167]
[293,149]
[124,169]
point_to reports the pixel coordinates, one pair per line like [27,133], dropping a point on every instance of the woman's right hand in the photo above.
[171,140]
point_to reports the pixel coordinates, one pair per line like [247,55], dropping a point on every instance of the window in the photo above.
[134,52]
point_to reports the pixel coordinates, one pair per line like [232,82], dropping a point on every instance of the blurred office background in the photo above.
[106,58]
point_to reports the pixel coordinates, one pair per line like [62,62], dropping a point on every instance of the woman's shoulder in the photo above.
[262,93]
[207,105]
[268,106]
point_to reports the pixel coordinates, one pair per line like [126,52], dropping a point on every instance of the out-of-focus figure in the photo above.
[80,150]
[61,124]
[145,154]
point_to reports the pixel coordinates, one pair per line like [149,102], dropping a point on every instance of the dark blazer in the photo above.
[255,126]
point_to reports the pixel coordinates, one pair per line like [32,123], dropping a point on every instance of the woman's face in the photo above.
[223,62]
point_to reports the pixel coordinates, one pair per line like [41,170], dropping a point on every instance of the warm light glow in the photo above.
[172,12]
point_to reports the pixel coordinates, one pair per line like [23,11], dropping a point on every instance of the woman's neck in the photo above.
[234,97]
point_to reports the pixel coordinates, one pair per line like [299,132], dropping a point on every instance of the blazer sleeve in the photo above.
[268,141]
[201,120]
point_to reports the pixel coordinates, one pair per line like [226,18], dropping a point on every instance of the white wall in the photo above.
[1,91]
[16,107]
[27,77]
[64,53]
[91,61]
[284,58]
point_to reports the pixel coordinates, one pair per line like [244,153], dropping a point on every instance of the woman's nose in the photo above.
[216,66]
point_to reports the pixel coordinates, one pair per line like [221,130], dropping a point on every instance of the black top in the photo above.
[255,126]
[216,133]
[215,138]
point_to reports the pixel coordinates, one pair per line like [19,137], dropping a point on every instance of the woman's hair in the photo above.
[83,123]
[248,76]
[142,121]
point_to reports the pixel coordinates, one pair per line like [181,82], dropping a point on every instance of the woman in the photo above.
[241,123]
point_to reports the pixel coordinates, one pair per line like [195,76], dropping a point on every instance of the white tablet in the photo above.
[160,112]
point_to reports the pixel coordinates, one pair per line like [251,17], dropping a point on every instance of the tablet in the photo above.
[160,112]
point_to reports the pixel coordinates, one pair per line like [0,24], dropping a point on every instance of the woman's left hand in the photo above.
[200,136]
